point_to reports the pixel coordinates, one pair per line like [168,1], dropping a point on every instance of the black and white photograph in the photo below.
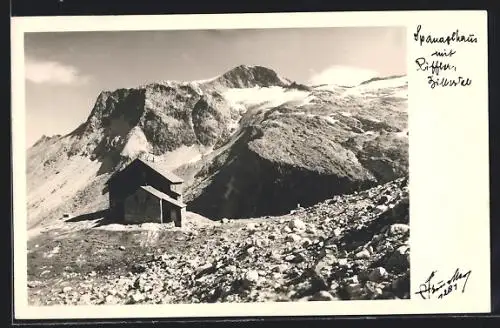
[217,166]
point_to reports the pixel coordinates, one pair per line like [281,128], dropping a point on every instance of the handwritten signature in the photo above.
[430,288]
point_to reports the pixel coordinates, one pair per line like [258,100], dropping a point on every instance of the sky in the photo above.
[66,71]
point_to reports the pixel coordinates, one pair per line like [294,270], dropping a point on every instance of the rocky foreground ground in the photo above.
[347,248]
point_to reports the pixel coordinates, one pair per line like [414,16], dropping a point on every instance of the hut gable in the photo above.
[141,165]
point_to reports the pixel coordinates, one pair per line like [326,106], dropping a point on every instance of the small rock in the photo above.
[399,259]
[389,248]
[225,221]
[251,250]
[354,290]
[137,297]
[287,229]
[85,299]
[364,254]
[122,248]
[264,242]
[293,238]
[352,280]
[337,232]
[110,299]
[251,277]
[342,262]
[377,274]
[382,200]
[399,228]
[251,227]
[401,284]
[311,231]
[276,276]
[297,258]
[280,268]
[306,242]
[323,295]
[33,284]
[297,224]
[381,209]
[275,255]
[67,289]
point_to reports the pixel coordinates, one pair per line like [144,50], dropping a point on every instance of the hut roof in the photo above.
[172,178]
[163,196]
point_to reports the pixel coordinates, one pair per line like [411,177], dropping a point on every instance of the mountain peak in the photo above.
[245,76]
[45,138]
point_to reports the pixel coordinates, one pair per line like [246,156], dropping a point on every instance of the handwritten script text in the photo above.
[436,287]
[439,63]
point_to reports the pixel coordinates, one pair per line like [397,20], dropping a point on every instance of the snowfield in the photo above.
[136,144]
[265,97]
[182,155]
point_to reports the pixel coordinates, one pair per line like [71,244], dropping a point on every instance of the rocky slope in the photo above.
[248,142]
[348,247]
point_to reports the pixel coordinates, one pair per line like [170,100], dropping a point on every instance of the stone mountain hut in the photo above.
[141,192]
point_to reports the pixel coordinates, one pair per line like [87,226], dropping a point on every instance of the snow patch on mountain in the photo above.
[265,97]
[386,83]
[182,155]
[137,143]
[391,86]
[331,87]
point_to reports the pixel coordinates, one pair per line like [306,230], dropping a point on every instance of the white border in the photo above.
[443,219]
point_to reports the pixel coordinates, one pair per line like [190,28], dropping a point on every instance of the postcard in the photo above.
[230,165]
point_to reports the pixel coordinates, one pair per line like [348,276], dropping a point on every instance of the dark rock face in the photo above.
[249,184]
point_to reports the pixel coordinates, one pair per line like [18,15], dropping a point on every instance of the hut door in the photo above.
[165,212]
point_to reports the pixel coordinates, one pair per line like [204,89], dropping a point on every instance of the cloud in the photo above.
[53,72]
[342,75]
